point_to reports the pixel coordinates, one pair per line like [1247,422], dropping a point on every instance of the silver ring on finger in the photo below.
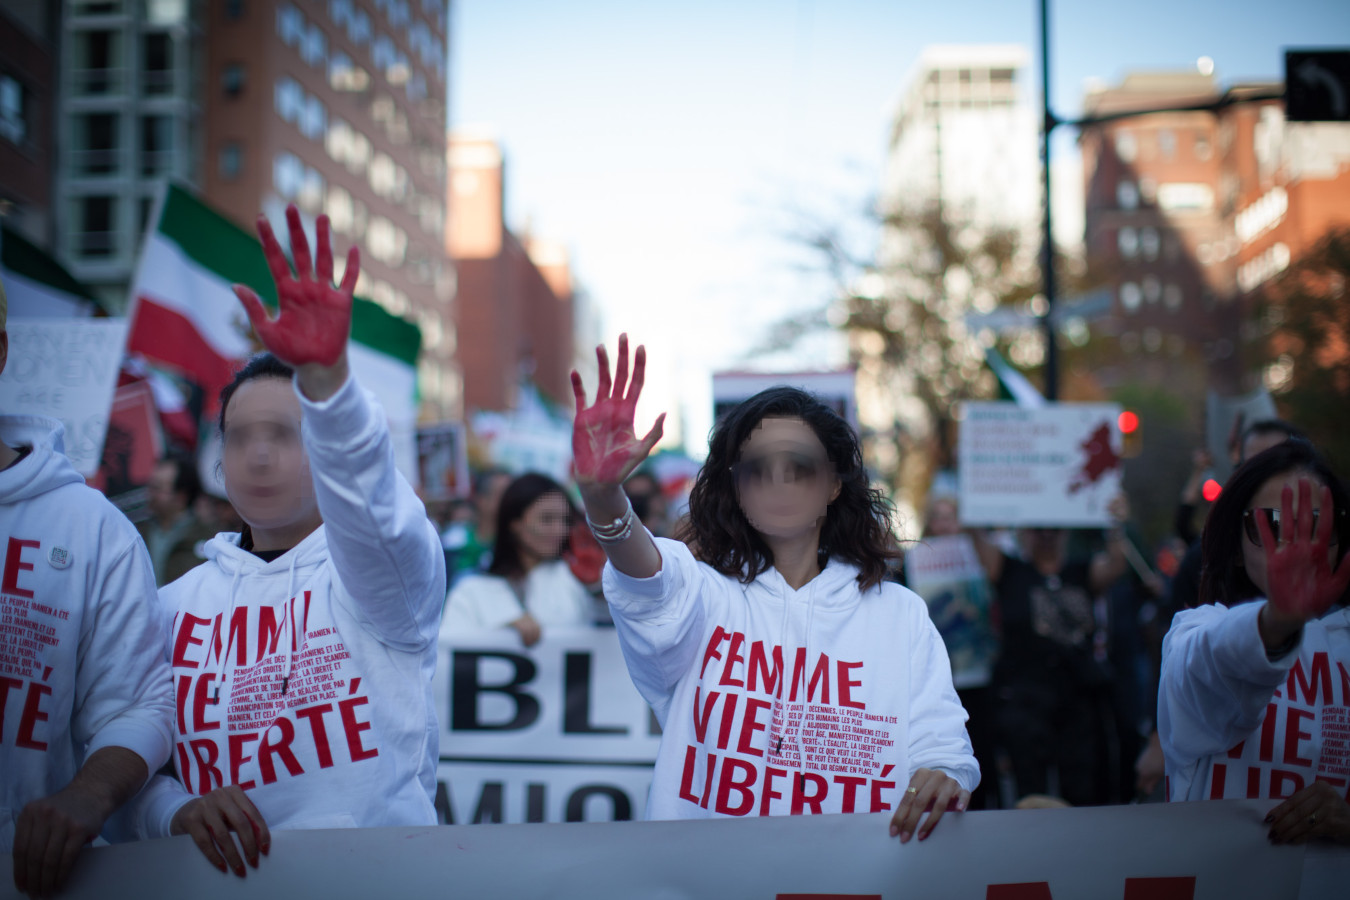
[912,790]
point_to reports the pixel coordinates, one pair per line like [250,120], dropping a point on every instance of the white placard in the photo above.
[527,734]
[1200,851]
[66,369]
[1056,466]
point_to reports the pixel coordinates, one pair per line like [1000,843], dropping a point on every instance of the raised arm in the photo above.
[605,451]
[383,546]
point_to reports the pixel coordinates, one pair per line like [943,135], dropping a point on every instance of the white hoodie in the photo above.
[81,651]
[1235,724]
[553,596]
[323,658]
[725,668]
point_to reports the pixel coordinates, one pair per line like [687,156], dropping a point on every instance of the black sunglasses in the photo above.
[791,466]
[1253,531]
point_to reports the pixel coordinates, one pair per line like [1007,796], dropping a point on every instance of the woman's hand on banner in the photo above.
[605,449]
[930,791]
[209,819]
[1317,811]
[314,318]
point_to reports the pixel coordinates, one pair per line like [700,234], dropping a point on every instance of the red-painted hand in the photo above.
[1302,584]
[605,450]
[314,318]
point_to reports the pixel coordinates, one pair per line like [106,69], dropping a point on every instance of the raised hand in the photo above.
[1301,582]
[313,318]
[605,450]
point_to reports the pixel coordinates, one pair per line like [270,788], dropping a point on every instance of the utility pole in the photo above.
[1048,124]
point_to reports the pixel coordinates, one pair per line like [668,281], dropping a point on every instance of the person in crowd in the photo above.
[86,704]
[649,504]
[529,585]
[1251,705]
[787,675]
[468,539]
[173,533]
[961,607]
[303,650]
[1051,685]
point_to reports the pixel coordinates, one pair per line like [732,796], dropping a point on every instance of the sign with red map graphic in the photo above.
[1054,466]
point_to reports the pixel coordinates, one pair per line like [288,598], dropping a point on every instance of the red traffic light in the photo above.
[1128,422]
[1211,490]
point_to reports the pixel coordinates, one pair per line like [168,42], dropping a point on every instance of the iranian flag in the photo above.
[38,286]
[185,317]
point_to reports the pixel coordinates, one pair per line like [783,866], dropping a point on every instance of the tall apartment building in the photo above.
[516,310]
[335,105]
[29,35]
[1188,212]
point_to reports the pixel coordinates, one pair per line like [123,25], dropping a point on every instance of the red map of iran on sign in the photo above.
[1099,458]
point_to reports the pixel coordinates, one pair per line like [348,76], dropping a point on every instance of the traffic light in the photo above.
[1129,434]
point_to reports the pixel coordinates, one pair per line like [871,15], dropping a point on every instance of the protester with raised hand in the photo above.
[303,650]
[85,701]
[1263,652]
[787,675]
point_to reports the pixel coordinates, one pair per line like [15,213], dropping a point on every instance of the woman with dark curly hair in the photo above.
[1254,699]
[788,676]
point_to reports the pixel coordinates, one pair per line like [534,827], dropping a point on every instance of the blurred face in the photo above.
[160,496]
[1264,500]
[1039,543]
[542,528]
[784,480]
[943,518]
[266,469]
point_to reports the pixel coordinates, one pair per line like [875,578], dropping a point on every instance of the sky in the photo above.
[677,148]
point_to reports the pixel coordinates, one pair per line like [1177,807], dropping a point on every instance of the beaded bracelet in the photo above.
[617,531]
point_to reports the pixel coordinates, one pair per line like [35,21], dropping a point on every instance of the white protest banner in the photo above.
[1056,466]
[66,369]
[946,573]
[551,733]
[835,389]
[1181,851]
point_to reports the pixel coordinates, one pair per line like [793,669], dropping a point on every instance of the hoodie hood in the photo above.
[835,588]
[45,469]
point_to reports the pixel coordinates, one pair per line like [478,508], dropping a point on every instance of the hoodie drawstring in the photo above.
[787,668]
[226,623]
[806,677]
[290,617]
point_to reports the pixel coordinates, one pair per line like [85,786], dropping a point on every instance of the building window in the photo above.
[314,46]
[1130,296]
[1127,148]
[290,25]
[344,75]
[1149,243]
[340,211]
[1172,297]
[96,144]
[340,11]
[358,27]
[97,62]
[163,13]
[382,52]
[96,236]
[234,10]
[1152,290]
[290,100]
[1167,143]
[1127,195]
[312,191]
[97,7]
[232,79]
[231,160]
[314,119]
[398,13]
[288,175]
[157,63]
[1203,151]
[13,123]
[1127,239]
[156,145]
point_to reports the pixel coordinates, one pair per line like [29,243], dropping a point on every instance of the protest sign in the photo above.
[946,573]
[1056,466]
[443,461]
[541,734]
[1180,851]
[67,369]
[135,443]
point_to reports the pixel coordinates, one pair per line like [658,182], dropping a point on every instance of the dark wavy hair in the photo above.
[857,524]
[263,365]
[519,495]
[1223,579]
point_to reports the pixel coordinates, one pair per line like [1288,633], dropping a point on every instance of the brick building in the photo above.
[29,33]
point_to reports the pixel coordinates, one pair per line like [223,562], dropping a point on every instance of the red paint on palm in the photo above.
[1301,580]
[605,449]
[314,318]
